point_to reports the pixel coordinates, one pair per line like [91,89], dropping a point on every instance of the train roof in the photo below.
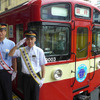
[44,2]
[70,1]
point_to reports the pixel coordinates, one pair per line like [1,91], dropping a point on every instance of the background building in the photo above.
[93,2]
[87,1]
[98,4]
[8,4]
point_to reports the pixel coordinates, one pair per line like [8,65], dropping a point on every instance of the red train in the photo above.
[69,34]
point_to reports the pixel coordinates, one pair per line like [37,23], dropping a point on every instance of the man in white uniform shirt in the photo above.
[6,63]
[33,61]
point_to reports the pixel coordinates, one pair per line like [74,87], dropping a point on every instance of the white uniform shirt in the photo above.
[36,56]
[5,47]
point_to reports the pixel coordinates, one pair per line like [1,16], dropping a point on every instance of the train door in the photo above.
[95,61]
[82,55]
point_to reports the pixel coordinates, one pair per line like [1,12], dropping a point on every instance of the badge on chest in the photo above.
[6,53]
[33,55]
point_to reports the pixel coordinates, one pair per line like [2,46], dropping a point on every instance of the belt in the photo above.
[26,74]
[3,70]
[30,74]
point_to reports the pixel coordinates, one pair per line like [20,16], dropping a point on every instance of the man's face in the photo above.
[30,41]
[2,34]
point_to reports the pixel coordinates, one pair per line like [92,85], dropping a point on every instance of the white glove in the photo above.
[13,75]
[20,42]
[41,82]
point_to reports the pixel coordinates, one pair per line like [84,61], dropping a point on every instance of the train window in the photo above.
[82,42]
[96,40]
[82,12]
[56,12]
[54,40]
[96,16]
[19,36]
[7,35]
[9,2]
[19,32]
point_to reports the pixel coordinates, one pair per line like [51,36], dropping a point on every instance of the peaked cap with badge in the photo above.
[3,26]
[30,33]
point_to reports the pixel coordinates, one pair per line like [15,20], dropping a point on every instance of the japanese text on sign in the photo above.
[84,12]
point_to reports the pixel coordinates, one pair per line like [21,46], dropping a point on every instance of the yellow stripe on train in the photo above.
[68,69]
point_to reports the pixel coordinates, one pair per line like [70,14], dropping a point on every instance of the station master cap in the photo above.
[3,26]
[30,33]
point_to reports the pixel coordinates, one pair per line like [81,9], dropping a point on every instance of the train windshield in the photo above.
[53,39]
[56,12]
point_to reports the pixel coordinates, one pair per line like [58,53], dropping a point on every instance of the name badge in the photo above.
[6,54]
[33,55]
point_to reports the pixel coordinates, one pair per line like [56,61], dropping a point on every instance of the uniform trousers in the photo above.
[31,87]
[5,85]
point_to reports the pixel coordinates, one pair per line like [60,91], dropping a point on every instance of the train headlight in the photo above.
[57,74]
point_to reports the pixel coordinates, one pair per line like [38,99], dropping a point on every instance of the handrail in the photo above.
[94,65]
[74,71]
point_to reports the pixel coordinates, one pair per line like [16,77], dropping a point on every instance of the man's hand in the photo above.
[20,42]
[13,75]
[41,82]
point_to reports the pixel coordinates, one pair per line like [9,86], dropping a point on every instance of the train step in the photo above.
[15,97]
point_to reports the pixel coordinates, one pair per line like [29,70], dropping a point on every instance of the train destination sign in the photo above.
[84,12]
[57,11]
